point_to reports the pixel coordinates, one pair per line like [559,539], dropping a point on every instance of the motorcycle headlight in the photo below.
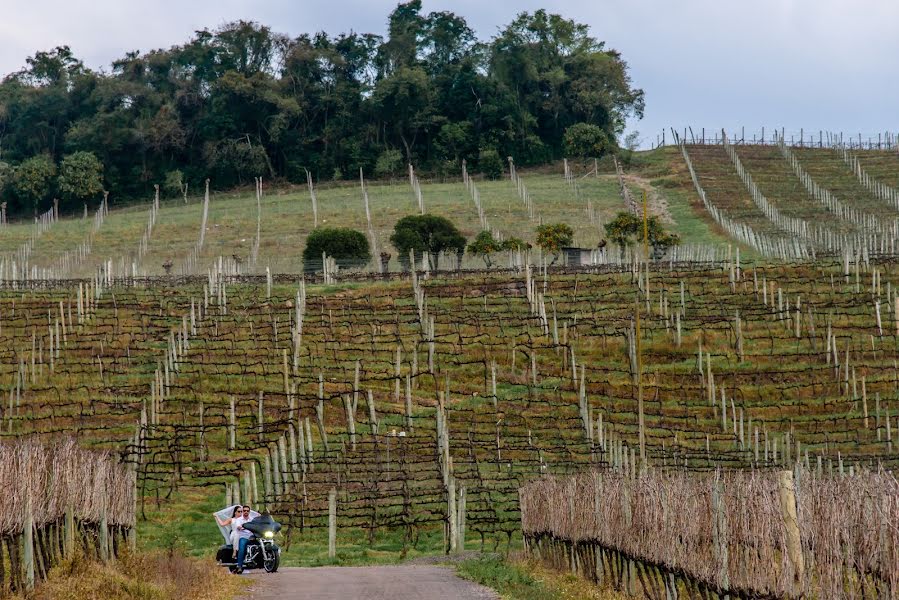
[268,535]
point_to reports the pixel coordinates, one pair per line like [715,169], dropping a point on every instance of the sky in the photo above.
[808,65]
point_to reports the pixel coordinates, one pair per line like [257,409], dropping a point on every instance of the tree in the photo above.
[241,100]
[484,245]
[347,246]
[174,183]
[559,75]
[80,176]
[513,244]
[626,229]
[622,229]
[490,164]
[552,237]
[31,181]
[426,233]
[583,140]
[390,162]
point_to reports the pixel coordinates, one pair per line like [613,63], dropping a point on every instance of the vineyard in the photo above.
[423,400]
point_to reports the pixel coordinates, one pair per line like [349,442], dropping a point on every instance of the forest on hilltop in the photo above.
[243,100]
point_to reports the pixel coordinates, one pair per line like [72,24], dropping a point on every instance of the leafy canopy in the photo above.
[485,245]
[626,229]
[584,140]
[426,233]
[241,100]
[552,237]
[347,246]
[80,176]
[490,163]
[31,181]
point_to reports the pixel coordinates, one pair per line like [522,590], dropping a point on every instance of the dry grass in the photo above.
[567,586]
[517,578]
[143,576]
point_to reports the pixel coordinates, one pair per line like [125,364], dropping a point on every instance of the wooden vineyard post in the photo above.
[787,493]
[132,531]
[350,419]
[253,485]
[28,543]
[69,536]
[460,520]
[451,515]
[104,531]
[719,534]
[332,523]
[372,413]
[260,419]
[320,412]
[232,427]
[408,402]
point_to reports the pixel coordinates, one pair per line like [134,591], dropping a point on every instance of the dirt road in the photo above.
[368,583]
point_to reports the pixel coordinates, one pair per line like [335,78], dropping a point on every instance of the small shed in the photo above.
[576,257]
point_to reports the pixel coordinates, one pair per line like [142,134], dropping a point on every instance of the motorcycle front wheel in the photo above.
[271,565]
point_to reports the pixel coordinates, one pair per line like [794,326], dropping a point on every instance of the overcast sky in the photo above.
[812,64]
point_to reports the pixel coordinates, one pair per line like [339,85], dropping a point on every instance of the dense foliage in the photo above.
[429,234]
[347,246]
[242,100]
[627,228]
[552,237]
[485,246]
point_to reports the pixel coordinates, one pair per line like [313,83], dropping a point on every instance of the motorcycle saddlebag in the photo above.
[224,554]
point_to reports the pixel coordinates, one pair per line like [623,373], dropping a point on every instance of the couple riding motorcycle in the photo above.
[249,540]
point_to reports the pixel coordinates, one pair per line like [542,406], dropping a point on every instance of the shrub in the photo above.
[347,246]
[389,163]
[490,163]
[426,233]
[174,183]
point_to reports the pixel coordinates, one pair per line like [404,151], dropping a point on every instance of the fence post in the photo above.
[460,520]
[451,514]
[70,530]
[28,543]
[132,531]
[787,492]
[719,534]
[104,532]
[332,523]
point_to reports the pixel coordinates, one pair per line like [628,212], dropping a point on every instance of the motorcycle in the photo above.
[262,551]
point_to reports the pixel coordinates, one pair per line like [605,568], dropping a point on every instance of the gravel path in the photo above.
[405,582]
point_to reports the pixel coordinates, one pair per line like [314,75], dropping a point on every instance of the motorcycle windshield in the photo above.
[261,524]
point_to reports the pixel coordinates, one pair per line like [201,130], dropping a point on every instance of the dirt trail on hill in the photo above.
[405,582]
[656,203]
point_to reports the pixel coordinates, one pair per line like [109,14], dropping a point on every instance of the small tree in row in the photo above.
[348,247]
[552,237]
[485,245]
[427,233]
[626,229]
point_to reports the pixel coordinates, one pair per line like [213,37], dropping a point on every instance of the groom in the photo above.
[243,535]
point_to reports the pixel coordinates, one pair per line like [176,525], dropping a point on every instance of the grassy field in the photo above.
[286,218]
